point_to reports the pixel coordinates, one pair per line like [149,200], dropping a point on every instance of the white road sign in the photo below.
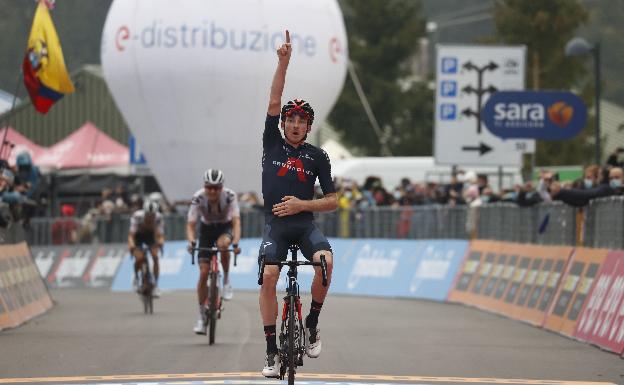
[466,76]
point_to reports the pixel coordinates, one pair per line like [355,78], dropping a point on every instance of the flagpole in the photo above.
[8,115]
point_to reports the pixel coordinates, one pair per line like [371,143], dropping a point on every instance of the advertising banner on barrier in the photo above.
[22,292]
[79,265]
[574,289]
[405,268]
[512,279]
[602,318]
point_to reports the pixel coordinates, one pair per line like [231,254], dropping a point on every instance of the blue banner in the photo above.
[136,156]
[374,267]
[546,115]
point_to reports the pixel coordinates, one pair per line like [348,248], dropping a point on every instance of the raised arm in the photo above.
[279,78]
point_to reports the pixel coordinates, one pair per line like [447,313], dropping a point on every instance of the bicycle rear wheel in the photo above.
[292,349]
[150,302]
[214,306]
[146,289]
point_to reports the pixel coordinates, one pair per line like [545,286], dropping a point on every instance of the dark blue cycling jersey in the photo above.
[291,171]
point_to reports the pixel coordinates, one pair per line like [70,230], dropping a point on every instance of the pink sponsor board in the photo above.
[602,318]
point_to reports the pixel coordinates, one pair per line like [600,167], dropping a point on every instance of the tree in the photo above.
[606,26]
[545,26]
[383,37]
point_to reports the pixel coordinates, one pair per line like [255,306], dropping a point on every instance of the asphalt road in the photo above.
[99,333]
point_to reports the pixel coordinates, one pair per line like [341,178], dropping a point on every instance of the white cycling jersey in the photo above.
[220,212]
[137,223]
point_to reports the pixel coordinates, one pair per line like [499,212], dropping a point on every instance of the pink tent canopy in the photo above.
[20,144]
[86,147]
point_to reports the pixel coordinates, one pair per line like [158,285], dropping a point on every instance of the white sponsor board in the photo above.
[465,78]
[192,79]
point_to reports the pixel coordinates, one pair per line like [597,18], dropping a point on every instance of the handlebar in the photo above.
[292,264]
[210,250]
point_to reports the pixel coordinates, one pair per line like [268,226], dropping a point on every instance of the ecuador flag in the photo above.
[45,75]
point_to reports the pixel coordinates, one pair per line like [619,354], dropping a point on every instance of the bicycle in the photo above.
[214,300]
[146,283]
[292,336]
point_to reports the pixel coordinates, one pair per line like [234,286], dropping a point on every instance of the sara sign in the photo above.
[547,115]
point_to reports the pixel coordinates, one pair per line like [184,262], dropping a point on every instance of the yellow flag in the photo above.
[45,75]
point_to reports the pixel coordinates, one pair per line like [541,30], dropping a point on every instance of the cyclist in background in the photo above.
[217,209]
[147,228]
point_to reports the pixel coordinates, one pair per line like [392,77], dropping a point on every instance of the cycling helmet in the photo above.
[298,106]
[150,207]
[213,177]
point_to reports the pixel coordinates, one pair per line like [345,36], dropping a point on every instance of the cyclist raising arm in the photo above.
[290,167]
[217,209]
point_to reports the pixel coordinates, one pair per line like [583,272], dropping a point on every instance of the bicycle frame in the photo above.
[292,333]
[147,282]
[214,287]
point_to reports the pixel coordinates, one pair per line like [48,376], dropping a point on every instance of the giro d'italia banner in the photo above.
[546,115]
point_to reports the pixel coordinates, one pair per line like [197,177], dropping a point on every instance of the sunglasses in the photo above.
[212,188]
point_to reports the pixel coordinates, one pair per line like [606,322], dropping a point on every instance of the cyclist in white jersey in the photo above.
[217,209]
[147,227]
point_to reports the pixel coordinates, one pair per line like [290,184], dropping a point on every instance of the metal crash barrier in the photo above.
[600,224]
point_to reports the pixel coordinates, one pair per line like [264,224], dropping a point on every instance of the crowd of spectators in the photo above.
[112,205]
[469,188]
[21,187]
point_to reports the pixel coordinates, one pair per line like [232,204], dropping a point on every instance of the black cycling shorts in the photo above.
[146,238]
[280,233]
[208,235]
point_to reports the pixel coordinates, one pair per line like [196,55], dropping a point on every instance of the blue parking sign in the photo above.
[448,111]
[448,88]
[449,65]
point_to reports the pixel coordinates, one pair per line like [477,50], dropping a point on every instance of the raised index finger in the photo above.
[287,37]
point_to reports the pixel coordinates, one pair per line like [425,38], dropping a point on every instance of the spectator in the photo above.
[65,229]
[250,200]
[580,197]
[120,198]
[454,185]
[474,202]
[88,224]
[7,178]
[482,182]
[616,180]
[528,195]
[455,198]
[614,159]
[28,175]
[488,196]
[591,177]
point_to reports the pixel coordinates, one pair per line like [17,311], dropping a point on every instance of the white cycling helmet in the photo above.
[213,177]
[150,207]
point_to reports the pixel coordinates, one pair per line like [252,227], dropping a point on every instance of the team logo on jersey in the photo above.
[293,164]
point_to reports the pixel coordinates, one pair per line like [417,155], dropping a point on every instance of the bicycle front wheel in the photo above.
[214,306]
[292,349]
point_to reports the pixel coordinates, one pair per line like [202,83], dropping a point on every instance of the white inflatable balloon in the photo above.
[192,79]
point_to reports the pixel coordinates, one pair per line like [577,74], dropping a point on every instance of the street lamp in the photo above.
[578,46]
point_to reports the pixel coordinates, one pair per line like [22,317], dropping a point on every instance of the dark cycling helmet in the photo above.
[213,177]
[298,106]
[150,207]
